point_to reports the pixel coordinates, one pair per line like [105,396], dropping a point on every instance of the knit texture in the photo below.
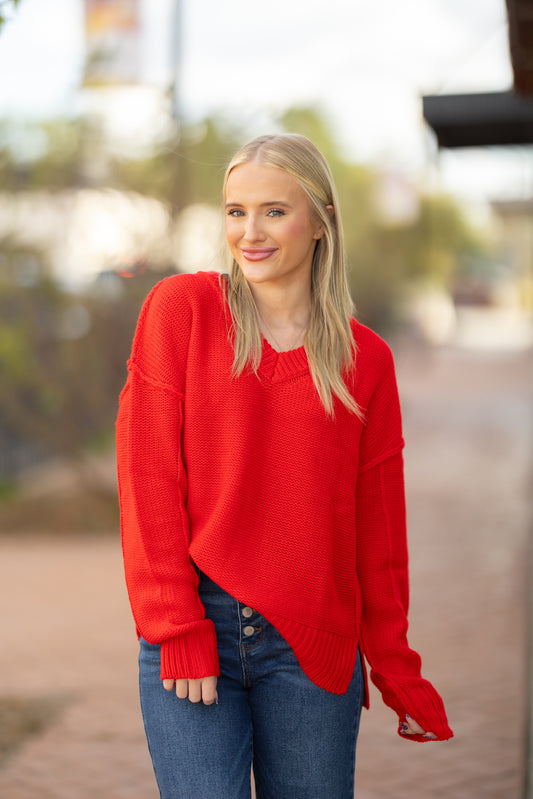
[298,515]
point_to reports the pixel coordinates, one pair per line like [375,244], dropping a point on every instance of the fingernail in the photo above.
[216,700]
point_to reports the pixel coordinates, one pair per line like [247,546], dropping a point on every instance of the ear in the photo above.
[320,229]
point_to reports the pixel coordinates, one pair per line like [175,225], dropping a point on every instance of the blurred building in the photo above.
[515,222]
[84,232]
[498,311]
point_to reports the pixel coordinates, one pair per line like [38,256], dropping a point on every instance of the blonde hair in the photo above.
[329,342]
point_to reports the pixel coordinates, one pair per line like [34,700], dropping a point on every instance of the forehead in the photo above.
[257,182]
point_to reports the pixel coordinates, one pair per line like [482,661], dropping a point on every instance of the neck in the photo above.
[283,315]
[282,307]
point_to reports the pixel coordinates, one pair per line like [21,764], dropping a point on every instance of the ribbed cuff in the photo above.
[417,698]
[191,655]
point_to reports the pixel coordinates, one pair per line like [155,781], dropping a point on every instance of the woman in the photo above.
[261,484]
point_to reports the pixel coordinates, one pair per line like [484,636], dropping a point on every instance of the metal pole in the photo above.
[528,770]
[175,56]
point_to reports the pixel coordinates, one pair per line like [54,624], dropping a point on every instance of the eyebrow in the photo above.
[262,205]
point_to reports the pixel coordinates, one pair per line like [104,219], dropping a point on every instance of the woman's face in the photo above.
[270,229]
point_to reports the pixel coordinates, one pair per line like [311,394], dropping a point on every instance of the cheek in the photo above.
[299,230]
[231,233]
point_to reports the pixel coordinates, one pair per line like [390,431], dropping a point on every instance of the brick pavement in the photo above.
[67,630]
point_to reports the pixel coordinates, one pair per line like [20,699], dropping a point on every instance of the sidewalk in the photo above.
[469,430]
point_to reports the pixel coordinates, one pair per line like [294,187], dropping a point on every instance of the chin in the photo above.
[255,275]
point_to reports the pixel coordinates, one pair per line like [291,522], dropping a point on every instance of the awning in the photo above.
[474,120]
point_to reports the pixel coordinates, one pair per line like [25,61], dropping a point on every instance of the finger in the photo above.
[209,690]
[168,685]
[195,691]
[182,689]
[411,727]
[414,727]
[406,729]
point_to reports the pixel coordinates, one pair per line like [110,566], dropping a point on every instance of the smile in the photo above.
[258,253]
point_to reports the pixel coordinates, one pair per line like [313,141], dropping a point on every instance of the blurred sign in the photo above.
[112,29]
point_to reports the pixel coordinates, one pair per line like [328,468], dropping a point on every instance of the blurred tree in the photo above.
[185,169]
[62,358]
[51,154]
[438,239]
[430,249]
[383,256]
[6,6]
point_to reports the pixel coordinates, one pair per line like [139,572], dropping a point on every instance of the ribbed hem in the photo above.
[191,655]
[417,698]
[327,659]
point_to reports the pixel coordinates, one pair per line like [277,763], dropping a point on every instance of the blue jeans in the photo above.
[300,738]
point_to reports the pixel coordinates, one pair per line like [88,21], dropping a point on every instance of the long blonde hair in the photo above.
[329,342]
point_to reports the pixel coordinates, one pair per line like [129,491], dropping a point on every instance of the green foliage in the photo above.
[187,168]
[8,490]
[59,385]
[382,256]
[51,154]
[6,8]
[23,718]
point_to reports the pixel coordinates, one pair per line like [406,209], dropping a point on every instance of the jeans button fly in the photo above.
[248,631]
[247,612]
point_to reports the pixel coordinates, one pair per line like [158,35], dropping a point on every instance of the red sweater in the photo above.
[295,514]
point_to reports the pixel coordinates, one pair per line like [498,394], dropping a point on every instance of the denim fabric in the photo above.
[300,738]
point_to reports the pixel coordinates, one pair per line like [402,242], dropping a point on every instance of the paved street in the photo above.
[66,628]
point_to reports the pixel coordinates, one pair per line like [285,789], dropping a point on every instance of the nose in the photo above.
[253,230]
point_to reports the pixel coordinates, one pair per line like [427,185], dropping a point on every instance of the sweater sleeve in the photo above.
[382,565]
[161,580]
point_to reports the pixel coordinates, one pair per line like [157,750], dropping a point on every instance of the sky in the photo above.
[366,64]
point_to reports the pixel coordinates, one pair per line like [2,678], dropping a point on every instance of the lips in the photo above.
[258,253]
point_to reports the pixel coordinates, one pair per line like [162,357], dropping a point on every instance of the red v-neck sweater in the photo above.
[296,514]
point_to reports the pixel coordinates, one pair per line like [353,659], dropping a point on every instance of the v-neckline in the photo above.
[277,367]
[274,367]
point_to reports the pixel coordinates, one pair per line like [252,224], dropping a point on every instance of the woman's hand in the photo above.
[203,690]
[410,727]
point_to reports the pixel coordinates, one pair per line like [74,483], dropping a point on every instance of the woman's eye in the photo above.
[235,212]
[276,212]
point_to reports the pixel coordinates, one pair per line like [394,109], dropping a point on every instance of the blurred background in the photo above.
[117,119]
